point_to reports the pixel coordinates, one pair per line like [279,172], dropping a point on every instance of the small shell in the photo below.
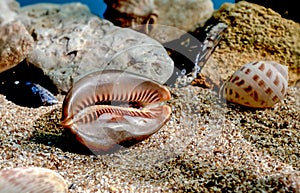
[113,107]
[137,14]
[257,84]
[31,179]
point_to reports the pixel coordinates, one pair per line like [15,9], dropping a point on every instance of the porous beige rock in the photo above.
[15,41]
[287,9]
[70,42]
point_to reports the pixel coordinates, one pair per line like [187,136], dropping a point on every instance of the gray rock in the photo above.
[71,42]
[15,41]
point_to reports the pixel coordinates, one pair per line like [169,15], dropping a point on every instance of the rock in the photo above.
[15,41]
[288,9]
[67,42]
[254,33]
[71,42]
[8,10]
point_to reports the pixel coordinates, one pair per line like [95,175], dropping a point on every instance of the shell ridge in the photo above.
[94,113]
[140,95]
[153,97]
[146,95]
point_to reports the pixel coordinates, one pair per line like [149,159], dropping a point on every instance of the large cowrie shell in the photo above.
[110,108]
[257,84]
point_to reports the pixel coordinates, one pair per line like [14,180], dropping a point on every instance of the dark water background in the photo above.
[98,6]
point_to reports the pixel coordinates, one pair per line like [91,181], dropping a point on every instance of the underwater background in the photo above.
[208,145]
[98,6]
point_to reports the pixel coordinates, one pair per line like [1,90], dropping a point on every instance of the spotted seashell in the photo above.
[31,179]
[108,108]
[257,84]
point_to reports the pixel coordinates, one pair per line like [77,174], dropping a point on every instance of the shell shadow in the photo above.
[24,79]
[244,109]
[48,131]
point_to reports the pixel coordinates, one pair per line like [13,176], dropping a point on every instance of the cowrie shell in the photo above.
[257,84]
[110,108]
[31,179]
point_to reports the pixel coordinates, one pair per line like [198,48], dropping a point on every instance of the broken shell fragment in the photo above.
[110,108]
[257,84]
[31,179]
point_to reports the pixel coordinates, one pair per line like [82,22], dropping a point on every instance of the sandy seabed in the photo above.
[206,146]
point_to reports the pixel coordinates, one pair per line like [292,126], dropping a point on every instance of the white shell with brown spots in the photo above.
[257,84]
[31,179]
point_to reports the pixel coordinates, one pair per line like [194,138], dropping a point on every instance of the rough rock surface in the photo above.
[288,9]
[15,41]
[71,42]
[254,33]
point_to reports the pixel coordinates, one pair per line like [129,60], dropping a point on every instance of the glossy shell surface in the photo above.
[257,84]
[108,108]
[137,14]
[31,179]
